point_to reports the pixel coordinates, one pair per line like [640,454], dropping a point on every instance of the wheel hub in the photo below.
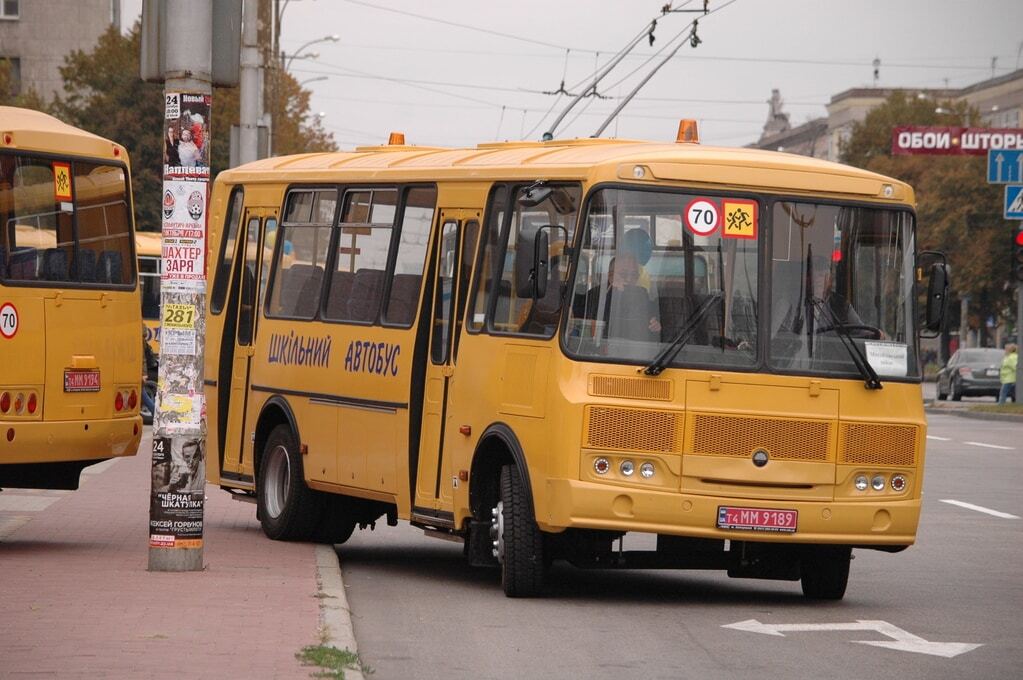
[497,531]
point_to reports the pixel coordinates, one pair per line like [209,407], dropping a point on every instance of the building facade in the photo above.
[35,36]
[999,102]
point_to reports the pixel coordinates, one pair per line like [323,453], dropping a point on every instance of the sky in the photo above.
[462,72]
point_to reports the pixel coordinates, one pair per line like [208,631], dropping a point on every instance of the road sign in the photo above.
[1014,202]
[902,641]
[1004,166]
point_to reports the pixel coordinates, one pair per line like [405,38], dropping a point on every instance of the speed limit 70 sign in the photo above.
[8,320]
[702,216]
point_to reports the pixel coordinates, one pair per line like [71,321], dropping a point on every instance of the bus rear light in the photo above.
[119,402]
[19,403]
[5,402]
[601,465]
[32,403]
[899,483]
[133,399]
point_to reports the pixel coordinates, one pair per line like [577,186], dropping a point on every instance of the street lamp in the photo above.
[312,80]
[297,54]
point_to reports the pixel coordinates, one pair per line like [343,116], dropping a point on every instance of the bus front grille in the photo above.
[876,444]
[624,387]
[740,436]
[629,429]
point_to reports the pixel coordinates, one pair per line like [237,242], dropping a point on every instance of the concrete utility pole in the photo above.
[248,137]
[179,428]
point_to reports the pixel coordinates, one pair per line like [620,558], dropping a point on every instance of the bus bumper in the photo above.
[69,440]
[585,505]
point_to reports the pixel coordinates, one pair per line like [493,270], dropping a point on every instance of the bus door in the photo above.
[260,225]
[459,233]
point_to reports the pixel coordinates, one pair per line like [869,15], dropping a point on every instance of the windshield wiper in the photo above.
[870,377]
[685,334]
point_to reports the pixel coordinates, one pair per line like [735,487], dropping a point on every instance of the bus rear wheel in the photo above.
[825,572]
[519,543]
[288,510]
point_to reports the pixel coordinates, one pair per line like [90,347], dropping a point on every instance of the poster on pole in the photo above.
[176,501]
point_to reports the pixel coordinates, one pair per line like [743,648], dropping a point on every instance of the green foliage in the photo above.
[958,212]
[332,659]
[26,100]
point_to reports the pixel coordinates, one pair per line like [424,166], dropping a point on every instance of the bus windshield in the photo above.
[841,269]
[644,281]
[64,222]
[653,286]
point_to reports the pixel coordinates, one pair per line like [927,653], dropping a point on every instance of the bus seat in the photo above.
[87,265]
[109,267]
[673,305]
[55,264]
[300,290]
[401,307]
[338,295]
[366,290]
[24,264]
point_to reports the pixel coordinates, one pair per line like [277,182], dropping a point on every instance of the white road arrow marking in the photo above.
[902,640]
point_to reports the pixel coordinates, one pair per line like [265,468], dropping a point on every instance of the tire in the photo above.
[942,396]
[957,390]
[337,522]
[287,509]
[824,572]
[520,541]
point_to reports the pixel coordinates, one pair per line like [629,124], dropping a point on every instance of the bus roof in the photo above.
[594,159]
[36,131]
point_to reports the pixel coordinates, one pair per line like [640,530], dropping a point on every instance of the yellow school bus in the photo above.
[70,339]
[148,252]
[538,347]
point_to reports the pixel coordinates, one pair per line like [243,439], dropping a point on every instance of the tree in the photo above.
[8,97]
[958,212]
[104,94]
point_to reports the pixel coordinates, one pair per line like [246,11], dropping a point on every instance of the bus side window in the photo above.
[305,234]
[417,218]
[223,274]
[490,252]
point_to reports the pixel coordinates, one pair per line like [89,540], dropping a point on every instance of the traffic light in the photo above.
[1017,255]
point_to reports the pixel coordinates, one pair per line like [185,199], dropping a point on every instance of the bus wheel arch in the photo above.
[498,446]
[275,411]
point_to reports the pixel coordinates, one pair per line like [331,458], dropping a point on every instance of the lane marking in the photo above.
[991,446]
[937,438]
[978,508]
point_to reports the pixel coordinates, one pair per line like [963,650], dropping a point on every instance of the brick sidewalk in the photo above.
[76,599]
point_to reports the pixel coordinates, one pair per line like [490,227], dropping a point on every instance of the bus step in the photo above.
[246,496]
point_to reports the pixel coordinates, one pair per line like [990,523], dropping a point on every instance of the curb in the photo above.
[335,616]
[1005,417]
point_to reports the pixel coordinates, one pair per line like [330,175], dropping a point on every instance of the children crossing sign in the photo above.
[1014,202]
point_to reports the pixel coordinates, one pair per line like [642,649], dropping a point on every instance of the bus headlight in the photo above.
[627,468]
[861,483]
[878,483]
[646,470]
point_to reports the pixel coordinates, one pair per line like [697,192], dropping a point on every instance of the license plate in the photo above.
[992,371]
[81,381]
[757,519]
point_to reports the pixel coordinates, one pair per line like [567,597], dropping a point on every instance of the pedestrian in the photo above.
[1008,374]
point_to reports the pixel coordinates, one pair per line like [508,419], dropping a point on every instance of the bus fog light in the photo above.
[627,468]
[899,482]
[646,470]
[601,466]
[878,483]
[861,482]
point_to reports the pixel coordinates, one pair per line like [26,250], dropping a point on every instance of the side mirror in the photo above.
[936,304]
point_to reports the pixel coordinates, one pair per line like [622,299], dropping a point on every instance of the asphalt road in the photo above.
[419,612]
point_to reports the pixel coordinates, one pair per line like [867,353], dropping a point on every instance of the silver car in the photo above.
[971,373]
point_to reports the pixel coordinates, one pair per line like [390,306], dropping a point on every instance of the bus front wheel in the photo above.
[519,543]
[825,572]
[287,509]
